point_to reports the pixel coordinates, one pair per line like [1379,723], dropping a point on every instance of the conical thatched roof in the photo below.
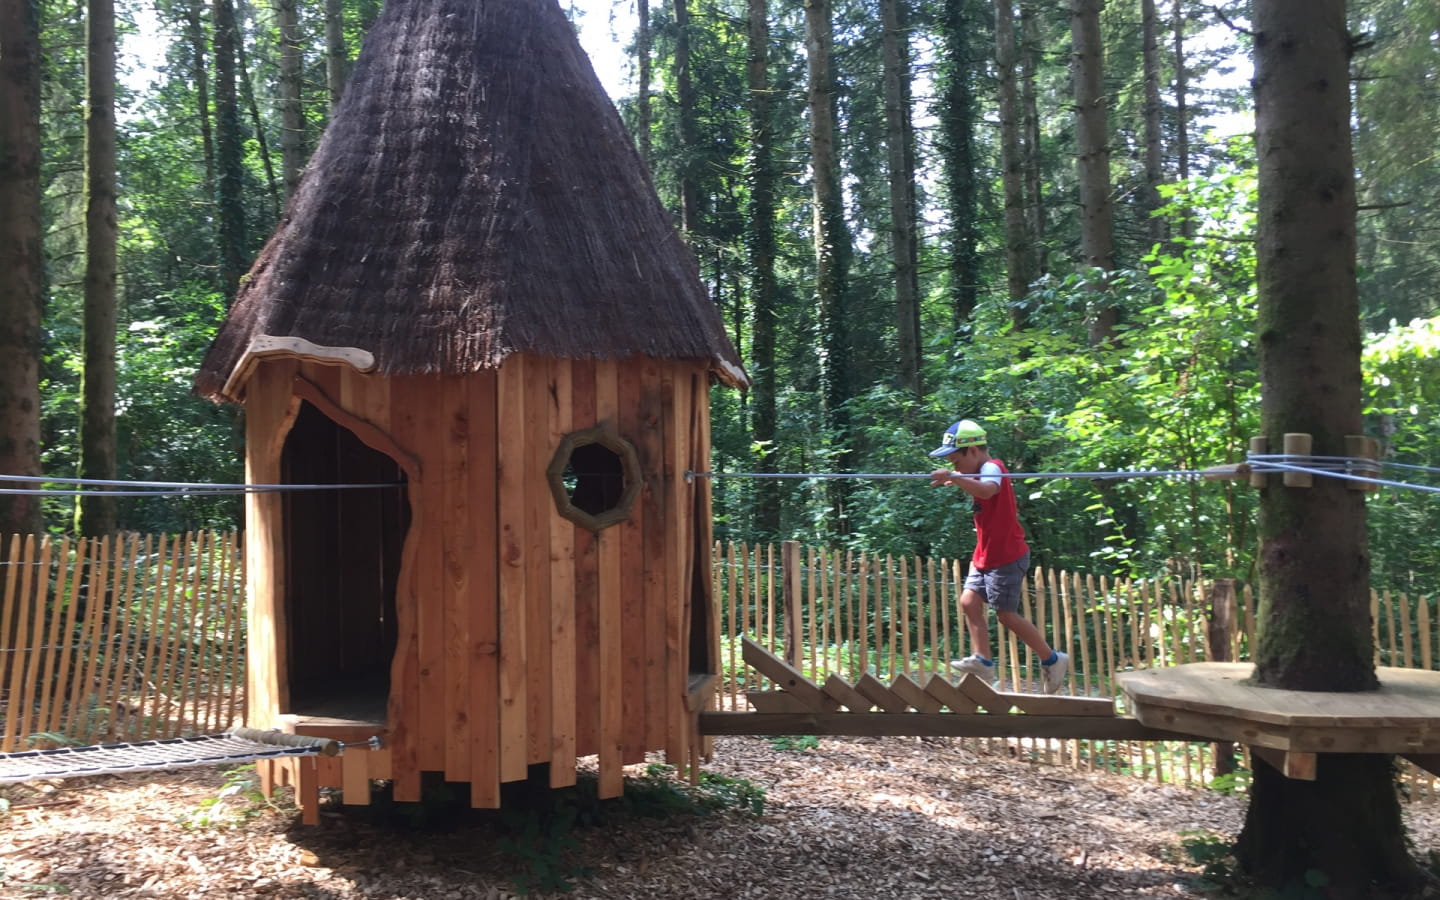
[475,195]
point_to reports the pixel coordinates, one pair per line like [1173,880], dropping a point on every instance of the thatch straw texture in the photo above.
[475,195]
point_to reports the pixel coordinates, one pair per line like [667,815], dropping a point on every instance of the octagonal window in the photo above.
[595,478]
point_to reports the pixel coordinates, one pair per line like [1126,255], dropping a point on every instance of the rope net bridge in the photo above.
[238,746]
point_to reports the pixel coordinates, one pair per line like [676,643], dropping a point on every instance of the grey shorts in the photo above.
[1001,586]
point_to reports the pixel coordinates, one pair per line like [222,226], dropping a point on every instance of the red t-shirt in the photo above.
[999,538]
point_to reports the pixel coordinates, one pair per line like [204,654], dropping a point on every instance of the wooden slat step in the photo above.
[776,702]
[979,690]
[881,695]
[787,678]
[914,695]
[1056,705]
[951,697]
[844,693]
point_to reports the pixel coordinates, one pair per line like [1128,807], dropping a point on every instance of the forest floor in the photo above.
[847,818]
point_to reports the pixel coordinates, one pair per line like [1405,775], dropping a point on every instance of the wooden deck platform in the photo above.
[1288,728]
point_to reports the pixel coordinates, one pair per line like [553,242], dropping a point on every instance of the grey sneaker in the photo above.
[974,665]
[1054,674]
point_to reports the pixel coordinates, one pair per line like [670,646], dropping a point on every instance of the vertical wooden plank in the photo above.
[587,585]
[609,555]
[355,778]
[85,688]
[863,604]
[307,790]
[207,666]
[817,614]
[73,560]
[234,624]
[734,681]
[408,394]
[890,614]
[562,595]
[432,592]
[538,508]
[151,631]
[932,600]
[904,603]
[17,564]
[510,472]
[482,595]
[48,672]
[701,538]
[36,586]
[631,534]
[681,395]
[21,599]
[1407,656]
[458,551]
[654,502]
[1422,624]
[192,647]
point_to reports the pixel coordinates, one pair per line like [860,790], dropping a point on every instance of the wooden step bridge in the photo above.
[939,708]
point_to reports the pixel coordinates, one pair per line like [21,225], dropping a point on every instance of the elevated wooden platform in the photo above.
[1287,728]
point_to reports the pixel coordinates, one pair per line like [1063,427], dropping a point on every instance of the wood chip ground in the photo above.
[852,818]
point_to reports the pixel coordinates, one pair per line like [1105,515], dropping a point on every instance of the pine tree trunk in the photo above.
[685,113]
[336,57]
[900,155]
[1154,171]
[958,27]
[1092,150]
[1012,175]
[292,119]
[1314,615]
[1182,108]
[832,247]
[22,261]
[764,289]
[95,513]
[1030,139]
[229,160]
[200,76]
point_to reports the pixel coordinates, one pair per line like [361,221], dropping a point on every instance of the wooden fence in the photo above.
[122,638]
[847,613]
[138,638]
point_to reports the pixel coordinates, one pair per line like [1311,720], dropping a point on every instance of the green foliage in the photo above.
[1216,858]
[798,743]
[238,801]
[1231,783]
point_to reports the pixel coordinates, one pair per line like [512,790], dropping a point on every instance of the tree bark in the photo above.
[1154,158]
[22,260]
[1314,611]
[1030,139]
[643,116]
[900,155]
[764,288]
[96,513]
[200,75]
[1012,175]
[832,247]
[1182,109]
[685,101]
[1097,247]
[292,118]
[229,161]
[959,20]
[337,60]
[247,93]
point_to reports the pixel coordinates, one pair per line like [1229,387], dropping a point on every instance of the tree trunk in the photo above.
[685,101]
[1012,175]
[1030,139]
[1092,154]
[336,57]
[1154,169]
[900,153]
[643,115]
[23,262]
[832,247]
[1182,108]
[95,513]
[764,289]
[292,118]
[957,128]
[247,93]
[229,160]
[1314,611]
[200,75]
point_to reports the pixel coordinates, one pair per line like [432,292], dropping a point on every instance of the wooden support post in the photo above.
[1258,447]
[1299,766]
[1297,445]
[1358,446]
[1221,633]
[794,623]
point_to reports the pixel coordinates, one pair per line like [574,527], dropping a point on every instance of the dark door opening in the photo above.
[342,565]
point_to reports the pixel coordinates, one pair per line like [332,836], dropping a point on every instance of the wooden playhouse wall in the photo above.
[523,637]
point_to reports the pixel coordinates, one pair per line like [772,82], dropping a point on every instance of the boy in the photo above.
[1001,558]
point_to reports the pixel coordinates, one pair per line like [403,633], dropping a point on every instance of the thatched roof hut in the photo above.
[476,295]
